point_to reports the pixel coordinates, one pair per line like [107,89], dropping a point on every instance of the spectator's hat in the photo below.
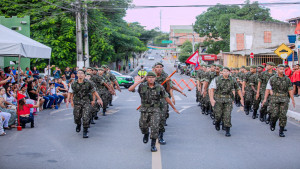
[270,63]
[151,74]
[227,68]
[261,66]
[253,66]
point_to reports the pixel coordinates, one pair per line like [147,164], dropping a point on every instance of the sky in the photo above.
[150,18]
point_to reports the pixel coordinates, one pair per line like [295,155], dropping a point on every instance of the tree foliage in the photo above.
[215,23]
[186,50]
[111,38]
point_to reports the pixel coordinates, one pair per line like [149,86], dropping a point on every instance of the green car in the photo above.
[123,80]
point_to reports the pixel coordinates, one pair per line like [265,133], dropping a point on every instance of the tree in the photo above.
[158,40]
[186,50]
[215,23]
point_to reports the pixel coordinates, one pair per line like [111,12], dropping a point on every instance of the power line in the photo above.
[69,9]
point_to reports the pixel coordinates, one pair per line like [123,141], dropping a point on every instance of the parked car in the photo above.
[151,58]
[123,80]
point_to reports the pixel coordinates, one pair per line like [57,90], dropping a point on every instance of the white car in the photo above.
[151,58]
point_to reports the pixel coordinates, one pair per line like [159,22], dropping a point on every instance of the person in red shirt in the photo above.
[264,64]
[296,79]
[288,72]
[24,112]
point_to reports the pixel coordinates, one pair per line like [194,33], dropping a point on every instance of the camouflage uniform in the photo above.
[98,82]
[249,93]
[279,101]
[82,101]
[111,78]
[264,78]
[104,92]
[223,96]
[254,82]
[239,78]
[198,78]
[208,77]
[151,108]
[164,105]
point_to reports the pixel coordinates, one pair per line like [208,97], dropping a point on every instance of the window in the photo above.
[15,28]
[268,37]
[240,41]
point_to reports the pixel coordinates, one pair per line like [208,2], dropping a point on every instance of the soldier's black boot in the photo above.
[207,110]
[161,139]
[227,132]
[85,131]
[217,126]
[246,108]
[281,134]
[96,117]
[212,115]
[146,138]
[153,147]
[104,111]
[78,128]
[203,110]
[92,121]
[110,103]
[254,114]
[268,119]
[272,126]
[238,103]
[223,127]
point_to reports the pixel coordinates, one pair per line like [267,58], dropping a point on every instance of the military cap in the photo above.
[100,69]
[243,67]
[227,68]
[94,68]
[208,66]
[270,63]
[261,66]
[281,65]
[247,68]
[238,68]
[233,69]
[87,74]
[89,68]
[213,64]
[220,66]
[253,66]
[204,65]
[81,70]
[151,74]
[158,63]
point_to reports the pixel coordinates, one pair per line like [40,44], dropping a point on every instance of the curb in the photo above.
[294,115]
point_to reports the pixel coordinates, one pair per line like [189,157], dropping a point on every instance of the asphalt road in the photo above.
[115,140]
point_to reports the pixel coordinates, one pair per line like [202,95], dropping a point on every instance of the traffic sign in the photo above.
[283,51]
[166,41]
[251,55]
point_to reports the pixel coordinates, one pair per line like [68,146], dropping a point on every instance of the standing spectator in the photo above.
[35,73]
[129,65]
[75,72]
[296,79]
[47,70]
[13,70]
[28,72]
[56,73]
[68,73]
[288,71]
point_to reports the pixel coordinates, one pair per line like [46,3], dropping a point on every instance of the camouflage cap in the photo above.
[237,68]
[227,68]
[151,74]
[204,65]
[233,69]
[213,64]
[100,69]
[208,66]
[104,66]
[89,68]
[94,68]
[158,63]
[247,68]
[220,66]
[87,74]
[271,63]
[243,67]
[81,70]
[281,65]
[261,66]
[253,66]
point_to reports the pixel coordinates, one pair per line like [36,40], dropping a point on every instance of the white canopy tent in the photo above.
[13,43]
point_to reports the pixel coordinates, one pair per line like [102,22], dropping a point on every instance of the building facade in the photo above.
[21,25]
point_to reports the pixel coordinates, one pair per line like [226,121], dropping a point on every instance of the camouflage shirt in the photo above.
[253,80]
[280,87]
[264,78]
[98,80]
[82,91]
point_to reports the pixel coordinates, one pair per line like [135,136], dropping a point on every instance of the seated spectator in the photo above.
[5,118]
[35,73]
[28,100]
[33,93]
[49,100]
[24,111]
[4,108]
[4,79]
[28,72]
[62,88]
[2,133]
[54,92]
[10,96]
[8,73]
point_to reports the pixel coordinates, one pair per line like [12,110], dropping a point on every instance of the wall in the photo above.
[24,29]
[234,61]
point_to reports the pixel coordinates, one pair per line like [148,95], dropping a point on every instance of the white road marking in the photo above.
[177,97]
[184,108]
[56,111]
[156,158]
[115,98]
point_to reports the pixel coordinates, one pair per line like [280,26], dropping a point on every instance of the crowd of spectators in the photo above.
[36,92]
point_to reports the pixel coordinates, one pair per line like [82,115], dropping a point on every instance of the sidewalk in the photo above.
[294,113]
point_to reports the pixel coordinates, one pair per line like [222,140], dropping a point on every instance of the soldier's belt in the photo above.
[223,96]
[150,105]
[280,94]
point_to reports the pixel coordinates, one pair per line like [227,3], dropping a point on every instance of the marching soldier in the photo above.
[200,72]
[221,97]
[254,85]
[247,90]
[262,84]
[281,90]
[151,94]
[105,90]
[79,97]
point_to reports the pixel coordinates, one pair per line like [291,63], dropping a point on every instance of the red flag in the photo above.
[193,59]
[20,96]
[297,30]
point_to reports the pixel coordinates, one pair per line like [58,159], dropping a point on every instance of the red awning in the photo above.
[297,30]
[209,57]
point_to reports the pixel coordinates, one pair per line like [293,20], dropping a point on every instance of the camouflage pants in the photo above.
[96,108]
[278,110]
[249,95]
[150,119]
[265,108]
[104,96]
[222,110]
[163,115]
[82,111]
[256,102]
[110,97]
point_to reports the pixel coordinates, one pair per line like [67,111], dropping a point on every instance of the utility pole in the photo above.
[160,21]
[80,62]
[86,37]
[193,39]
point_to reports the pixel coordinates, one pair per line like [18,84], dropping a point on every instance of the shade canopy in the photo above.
[13,43]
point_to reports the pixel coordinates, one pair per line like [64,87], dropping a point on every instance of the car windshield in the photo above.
[116,73]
